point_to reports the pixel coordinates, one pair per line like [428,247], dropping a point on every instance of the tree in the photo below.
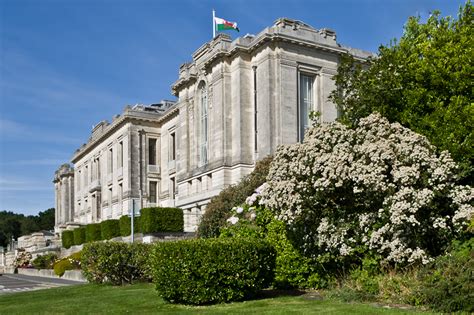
[423,81]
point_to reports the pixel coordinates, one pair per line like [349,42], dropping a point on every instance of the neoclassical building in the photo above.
[237,100]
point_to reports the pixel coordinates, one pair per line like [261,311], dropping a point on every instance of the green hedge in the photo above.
[124,224]
[109,229]
[79,235]
[93,232]
[44,261]
[161,220]
[205,271]
[67,238]
[115,262]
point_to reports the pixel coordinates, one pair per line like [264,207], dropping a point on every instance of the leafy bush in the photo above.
[115,263]
[67,238]
[205,271]
[109,229]
[79,235]
[72,262]
[379,188]
[161,220]
[45,261]
[292,269]
[448,284]
[218,209]
[93,232]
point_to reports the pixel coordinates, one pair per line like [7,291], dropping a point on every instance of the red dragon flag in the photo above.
[221,24]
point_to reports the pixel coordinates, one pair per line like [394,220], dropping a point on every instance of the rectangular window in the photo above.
[110,197]
[79,179]
[120,192]
[86,176]
[306,102]
[152,151]
[173,192]
[120,155]
[111,160]
[152,192]
[172,146]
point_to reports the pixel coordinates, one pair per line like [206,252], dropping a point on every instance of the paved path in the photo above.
[10,283]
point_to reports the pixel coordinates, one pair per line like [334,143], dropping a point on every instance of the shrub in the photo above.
[205,271]
[218,209]
[115,263]
[447,285]
[72,262]
[161,220]
[79,235]
[109,229]
[378,188]
[67,238]
[93,232]
[45,261]
[292,269]
[125,225]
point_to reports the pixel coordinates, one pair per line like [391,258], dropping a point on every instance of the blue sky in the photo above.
[67,64]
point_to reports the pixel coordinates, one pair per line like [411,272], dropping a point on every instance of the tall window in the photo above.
[111,160]
[151,151]
[203,118]
[120,155]
[152,189]
[306,102]
[173,191]
[172,146]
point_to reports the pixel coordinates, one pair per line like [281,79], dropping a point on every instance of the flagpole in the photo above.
[213,23]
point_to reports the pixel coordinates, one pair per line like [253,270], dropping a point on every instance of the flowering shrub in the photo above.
[378,187]
[23,259]
[72,262]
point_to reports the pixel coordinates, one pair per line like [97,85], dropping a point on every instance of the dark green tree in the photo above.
[424,81]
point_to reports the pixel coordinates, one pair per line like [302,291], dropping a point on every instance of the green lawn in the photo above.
[142,299]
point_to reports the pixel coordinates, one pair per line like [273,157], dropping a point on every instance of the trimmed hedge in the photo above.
[93,232]
[79,235]
[154,220]
[67,238]
[115,262]
[124,225]
[109,229]
[206,271]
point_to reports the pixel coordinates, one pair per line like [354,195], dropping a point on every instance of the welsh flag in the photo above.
[222,25]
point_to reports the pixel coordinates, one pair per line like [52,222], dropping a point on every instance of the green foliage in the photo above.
[154,220]
[93,232]
[206,271]
[72,262]
[109,229]
[217,210]
[67,238]
[423,80]
[292,269]
[45,261]
[115,263]
[448,284]
[79,235]
[125,225]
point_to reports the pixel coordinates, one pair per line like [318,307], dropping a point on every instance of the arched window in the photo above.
[203,124]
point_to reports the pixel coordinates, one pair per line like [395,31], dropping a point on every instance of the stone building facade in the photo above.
[237,101]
